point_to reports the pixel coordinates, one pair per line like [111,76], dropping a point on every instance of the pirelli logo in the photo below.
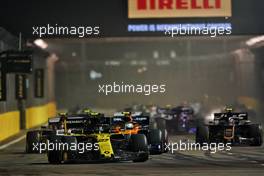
[178,8]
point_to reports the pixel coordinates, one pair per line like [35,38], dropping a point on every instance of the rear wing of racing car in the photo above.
[54,122]
[234,115]
[85,124]
[85,121]
[164,111]
[182,109]
[136,117]
[142,120]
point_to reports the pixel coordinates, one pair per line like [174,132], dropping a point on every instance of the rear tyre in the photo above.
[153,125]
[161,123]
[201,135]
[32,139]
[138,143]
[165,140]
[257,133]
[155,140]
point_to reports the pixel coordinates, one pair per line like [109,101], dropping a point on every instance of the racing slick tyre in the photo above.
[155,140]
[165,140]
[161,123]
[201,135]
[32,138]
[257,133]
[138,143]
[69,155]
[153,125]
[54,155]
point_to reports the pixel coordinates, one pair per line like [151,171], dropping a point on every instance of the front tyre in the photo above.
[257,133]
[55,156]
[69,155]
[139,144]
[32,138]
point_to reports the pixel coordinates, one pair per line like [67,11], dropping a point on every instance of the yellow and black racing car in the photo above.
[87,137]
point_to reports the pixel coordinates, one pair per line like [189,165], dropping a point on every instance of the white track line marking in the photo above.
[253,161]
[12,142]
[262,164]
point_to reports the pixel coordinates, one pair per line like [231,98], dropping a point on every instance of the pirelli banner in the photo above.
[178,8]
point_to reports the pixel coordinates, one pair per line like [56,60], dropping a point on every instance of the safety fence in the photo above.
[35,116]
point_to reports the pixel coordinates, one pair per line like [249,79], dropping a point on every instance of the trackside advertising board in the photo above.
[178,8]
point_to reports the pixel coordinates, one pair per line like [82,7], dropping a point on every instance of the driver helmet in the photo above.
[229,109]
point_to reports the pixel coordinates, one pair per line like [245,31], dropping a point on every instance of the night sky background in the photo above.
[111,16]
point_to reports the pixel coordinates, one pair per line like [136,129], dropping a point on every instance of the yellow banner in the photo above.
[178,8]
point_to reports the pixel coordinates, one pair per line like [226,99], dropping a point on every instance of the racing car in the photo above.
[178,119]
[92,129]
[41,135]
[230,127]
[127,123]
[95,131]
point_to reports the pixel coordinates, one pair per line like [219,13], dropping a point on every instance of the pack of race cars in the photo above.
[136,133]
[125,136]
[179,119]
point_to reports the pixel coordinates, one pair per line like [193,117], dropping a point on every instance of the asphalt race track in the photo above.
[239,161]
